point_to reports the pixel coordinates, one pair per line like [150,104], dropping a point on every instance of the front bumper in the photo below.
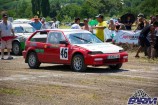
[102,59]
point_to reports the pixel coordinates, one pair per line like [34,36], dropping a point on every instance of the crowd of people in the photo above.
[40,23]
[148,36]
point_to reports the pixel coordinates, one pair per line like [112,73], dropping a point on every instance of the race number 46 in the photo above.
[64,53]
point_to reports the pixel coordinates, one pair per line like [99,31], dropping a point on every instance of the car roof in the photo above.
[67,30]
[22,20]
[21,25]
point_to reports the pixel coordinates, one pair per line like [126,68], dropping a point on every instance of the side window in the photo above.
[55,37]
[40,37]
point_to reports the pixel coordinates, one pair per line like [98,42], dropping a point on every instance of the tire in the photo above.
[16,49]
[116,66]
[33,61]
[77,63]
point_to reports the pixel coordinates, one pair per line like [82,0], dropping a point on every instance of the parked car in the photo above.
[22,31]
[21,21]
[77,48]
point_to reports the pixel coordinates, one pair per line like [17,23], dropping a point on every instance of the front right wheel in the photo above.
[33,61]
[77,63]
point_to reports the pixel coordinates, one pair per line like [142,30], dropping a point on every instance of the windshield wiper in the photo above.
[82,39]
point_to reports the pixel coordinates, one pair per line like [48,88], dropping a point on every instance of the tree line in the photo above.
[66,10]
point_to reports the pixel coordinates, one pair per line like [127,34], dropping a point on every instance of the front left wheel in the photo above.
[78,64]
[16,49]
[33,61]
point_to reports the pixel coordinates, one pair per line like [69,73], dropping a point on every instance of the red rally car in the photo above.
[77,48]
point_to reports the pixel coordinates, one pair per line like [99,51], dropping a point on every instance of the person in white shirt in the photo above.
[53,25]
[76,24]
[44,25]
[6,36]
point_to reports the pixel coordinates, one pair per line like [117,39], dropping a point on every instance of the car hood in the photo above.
[26,35]
[103,47]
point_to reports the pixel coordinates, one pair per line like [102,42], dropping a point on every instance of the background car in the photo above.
[21,21]
[22,31]
[77,48]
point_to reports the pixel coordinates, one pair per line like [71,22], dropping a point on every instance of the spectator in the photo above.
[150,21]
[128,23]
[143,38]
[117,27]
[146,23]
[76,24]
[140,23]
[153,19]
[55,24]
[100,27]
[157,17]
[5,32]
[44,25]
[86,26]
[112,25]
[36,24]
[156,42]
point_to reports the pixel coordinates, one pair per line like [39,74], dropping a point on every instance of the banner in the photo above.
[122,36]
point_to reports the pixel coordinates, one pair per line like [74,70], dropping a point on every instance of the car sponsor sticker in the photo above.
[63,53]
[113,56]
[54,46]
[39,50]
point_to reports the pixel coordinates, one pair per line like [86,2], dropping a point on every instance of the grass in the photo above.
[64,27]
[10,91]
[113,77]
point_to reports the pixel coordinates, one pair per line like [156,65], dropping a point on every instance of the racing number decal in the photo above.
[64,53]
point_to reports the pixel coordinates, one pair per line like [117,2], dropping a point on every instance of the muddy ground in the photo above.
[59,85]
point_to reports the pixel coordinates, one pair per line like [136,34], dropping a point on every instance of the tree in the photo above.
[71,10]
[55,8]
[36,7]
[89,9]
[45,8]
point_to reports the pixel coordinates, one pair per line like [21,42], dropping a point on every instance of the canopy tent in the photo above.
[125,16]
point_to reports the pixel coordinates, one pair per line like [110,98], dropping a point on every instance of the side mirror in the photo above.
[64,42]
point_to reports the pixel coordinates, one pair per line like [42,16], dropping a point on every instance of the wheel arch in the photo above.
[26,60]
[15,41]
[75,53]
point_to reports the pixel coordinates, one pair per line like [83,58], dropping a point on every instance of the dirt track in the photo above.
[58,85]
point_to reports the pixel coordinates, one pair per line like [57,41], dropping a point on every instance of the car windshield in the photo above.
[82,38]
[24,29]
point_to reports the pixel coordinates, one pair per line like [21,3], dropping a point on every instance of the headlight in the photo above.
[125,57]
[95,52]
